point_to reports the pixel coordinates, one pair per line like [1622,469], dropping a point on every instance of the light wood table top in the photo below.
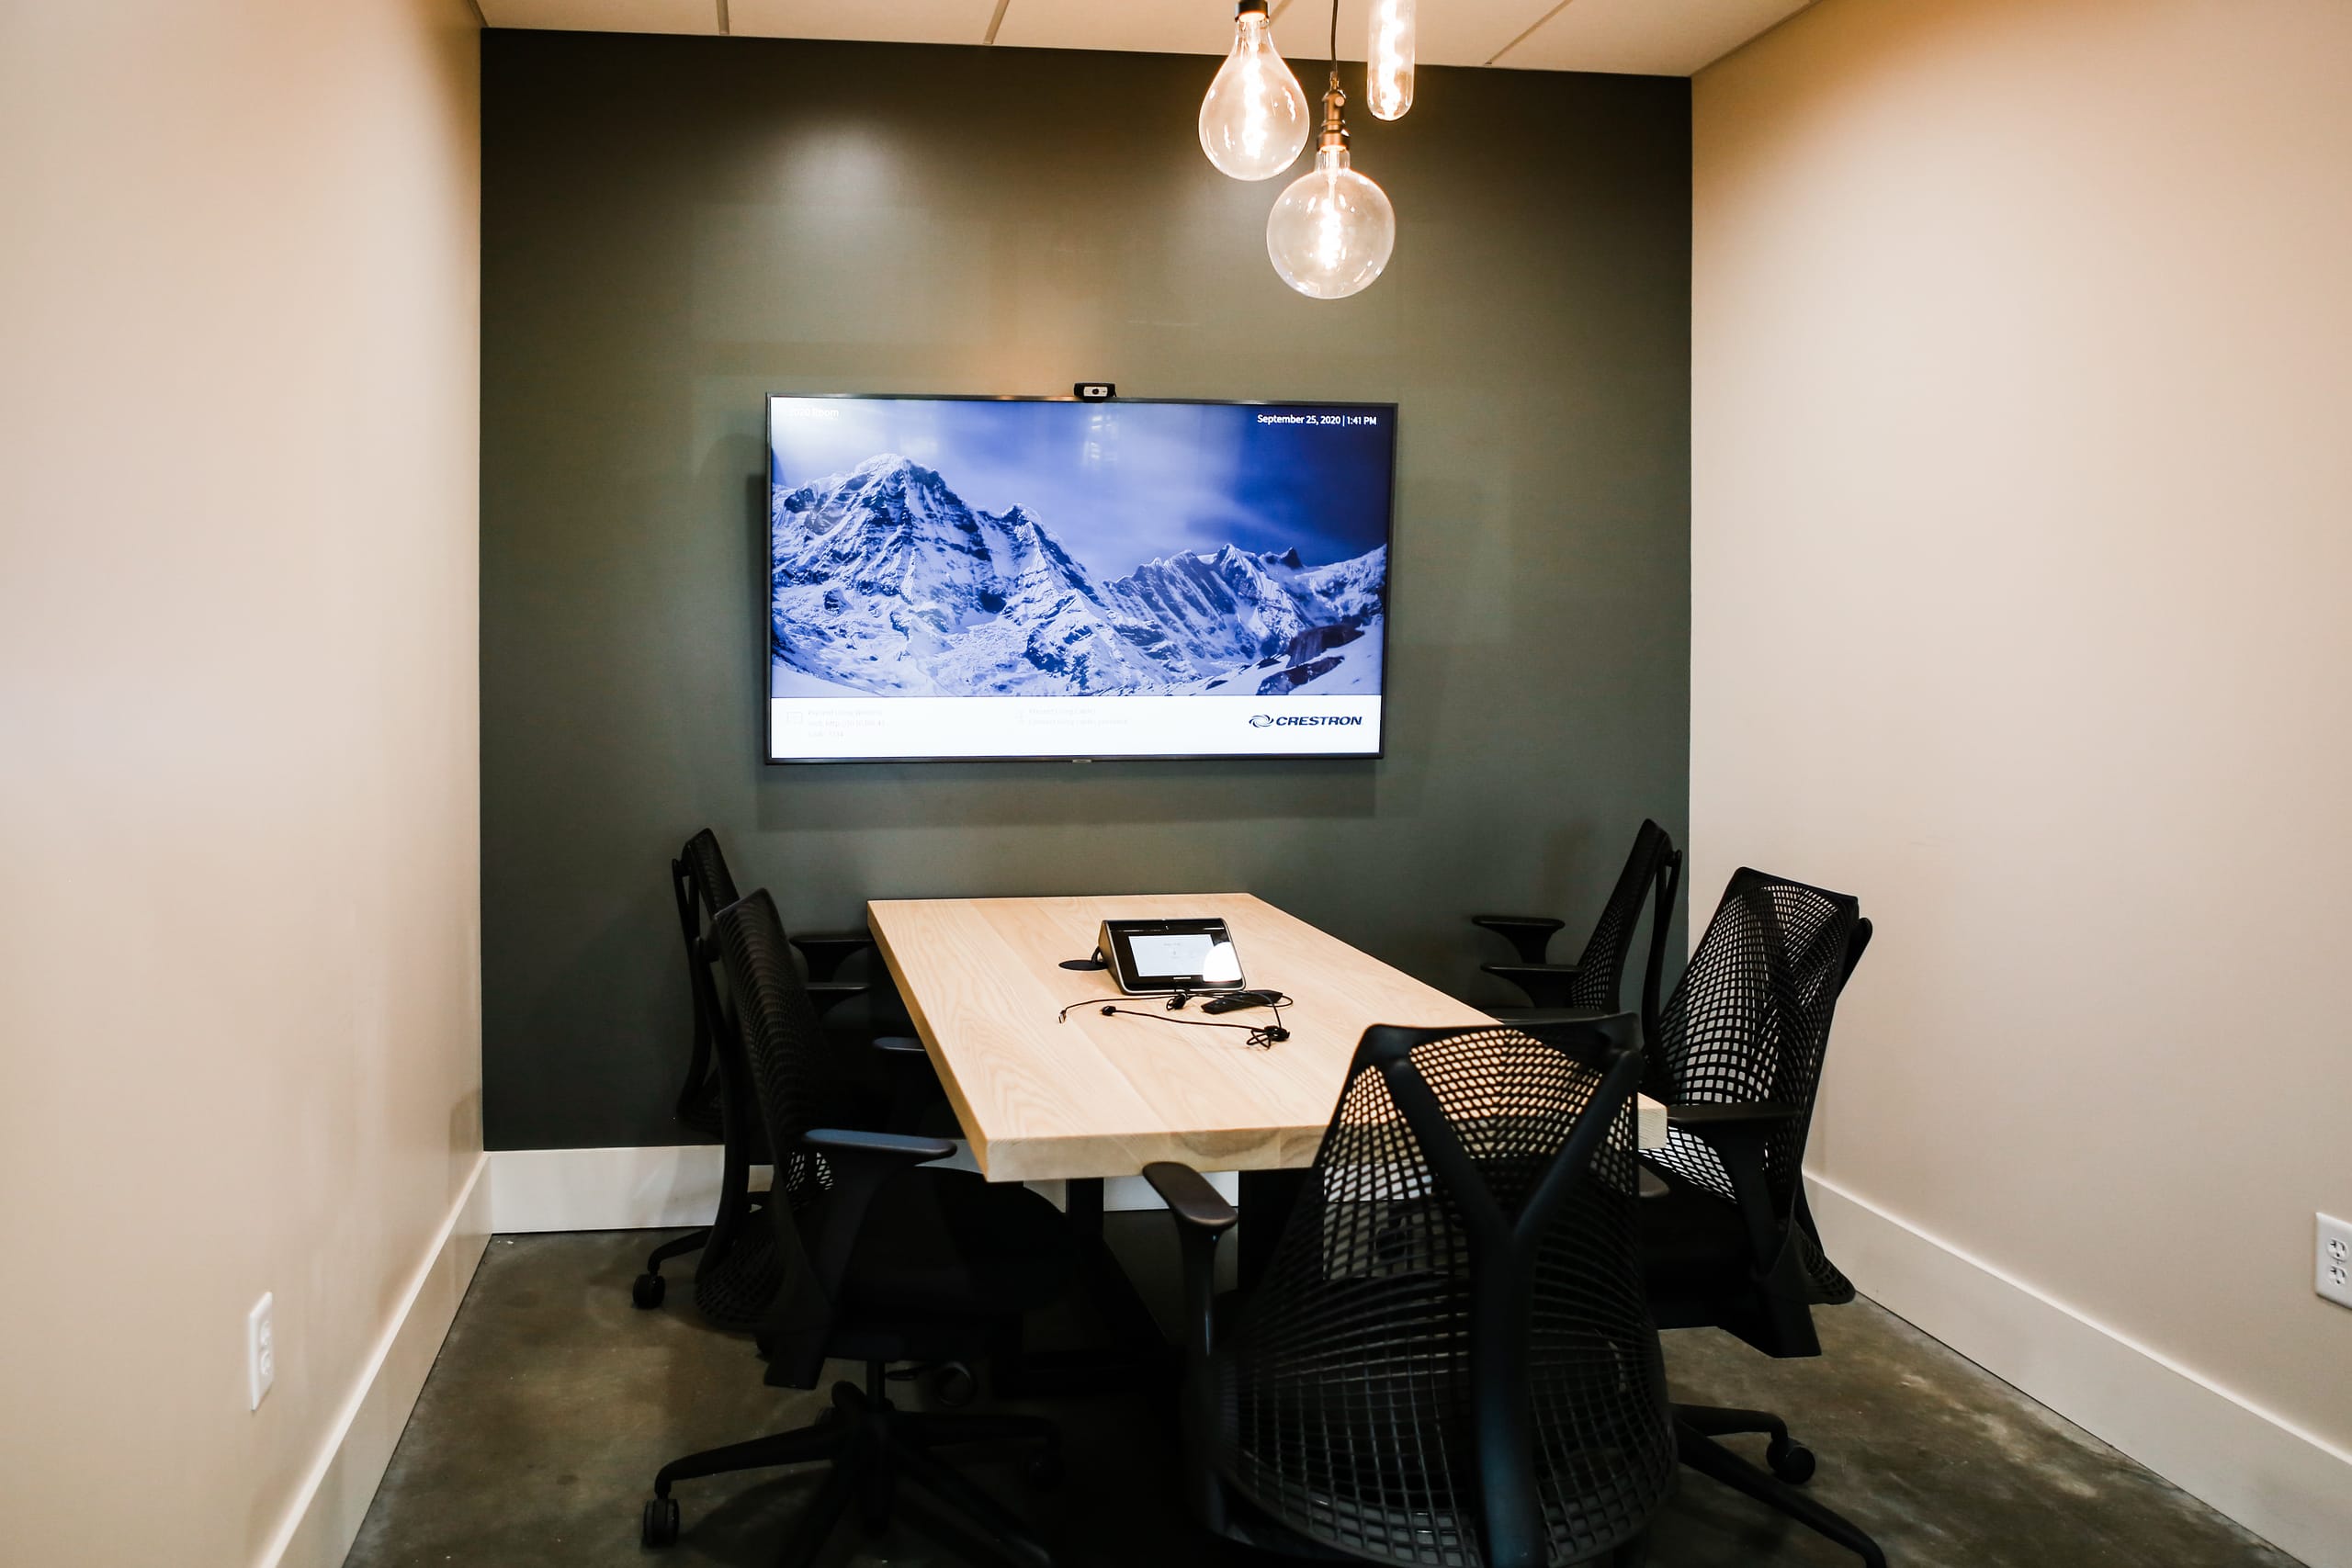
[1105,1096]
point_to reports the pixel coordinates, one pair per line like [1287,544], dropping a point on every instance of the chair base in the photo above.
[649,1288]
[1696,1427]
[872,1445]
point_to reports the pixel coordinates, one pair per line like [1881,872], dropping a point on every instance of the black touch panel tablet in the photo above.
[1170,955]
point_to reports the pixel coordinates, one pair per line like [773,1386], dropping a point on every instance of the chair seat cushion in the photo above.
[949,1243]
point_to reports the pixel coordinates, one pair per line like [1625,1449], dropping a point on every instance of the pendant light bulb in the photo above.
[1254,121]
[1388,59]
[1331,233]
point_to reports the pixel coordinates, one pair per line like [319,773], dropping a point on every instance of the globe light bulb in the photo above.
[1331,233]
[1388,59]
[1254,121]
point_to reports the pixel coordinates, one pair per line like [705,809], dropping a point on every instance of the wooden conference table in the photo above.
[1100,1097]
[1095,1098]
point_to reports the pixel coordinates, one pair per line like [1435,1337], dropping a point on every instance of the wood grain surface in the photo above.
[1102,1097]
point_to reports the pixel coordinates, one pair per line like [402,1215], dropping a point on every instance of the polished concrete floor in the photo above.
[554,1402]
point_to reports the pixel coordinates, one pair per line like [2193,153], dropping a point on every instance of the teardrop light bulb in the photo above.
[1254,121]
[1388,59]
[1331,233]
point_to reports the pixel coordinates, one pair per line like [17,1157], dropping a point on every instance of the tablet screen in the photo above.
[1161,954]
[1183,954]
[1188,953]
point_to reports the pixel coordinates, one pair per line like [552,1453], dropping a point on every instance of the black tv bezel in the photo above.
[767,581]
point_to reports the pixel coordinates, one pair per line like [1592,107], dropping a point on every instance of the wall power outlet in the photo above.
[2334,1278]
[261,1352]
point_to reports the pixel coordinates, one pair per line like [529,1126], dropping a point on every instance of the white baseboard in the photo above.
[603,1190]
[2287,1485]
[325,1515]
[673,1185]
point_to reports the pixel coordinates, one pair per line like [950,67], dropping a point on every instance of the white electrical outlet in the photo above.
[261,1353]
[2335,1280]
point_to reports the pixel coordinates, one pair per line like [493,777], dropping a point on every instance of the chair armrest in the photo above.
[1202,1216]
[849,1145]
[1546,985]
[1529,935]
[1190,1197]
[1755,1113]
[826,952]
[915,1090]
[827,995]
[1201,1219]
[862,1162]
[1539,1017]
[1739,1134]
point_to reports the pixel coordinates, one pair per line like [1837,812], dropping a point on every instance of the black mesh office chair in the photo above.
[874,1259]
[702,884]
[1593,981]
[1729,1243]
[738,1276]
[1449,1361]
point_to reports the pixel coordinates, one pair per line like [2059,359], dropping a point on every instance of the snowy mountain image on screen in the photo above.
[885,581]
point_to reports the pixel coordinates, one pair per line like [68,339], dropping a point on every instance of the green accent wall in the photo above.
[672,228]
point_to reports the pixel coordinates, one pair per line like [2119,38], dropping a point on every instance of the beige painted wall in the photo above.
[2022,548]
[239,1041]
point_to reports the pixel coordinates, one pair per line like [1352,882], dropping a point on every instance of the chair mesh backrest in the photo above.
[781,1046]
[714,885]
[704,887]
[1450,1235]
[1750,1019]
[1600,972]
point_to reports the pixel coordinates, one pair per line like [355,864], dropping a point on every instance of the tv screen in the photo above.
[1045,578]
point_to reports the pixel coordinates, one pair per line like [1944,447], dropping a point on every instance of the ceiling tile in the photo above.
[1167,27]
[884,21]
[1644,36]
[605,15]
[1452,32]
[1672,38]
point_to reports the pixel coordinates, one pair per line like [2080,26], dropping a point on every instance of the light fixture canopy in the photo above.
[1254,119]
[1331,233]
[1388,59]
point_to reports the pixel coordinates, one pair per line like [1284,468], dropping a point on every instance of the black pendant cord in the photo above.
[1335,46]
[1261,1036]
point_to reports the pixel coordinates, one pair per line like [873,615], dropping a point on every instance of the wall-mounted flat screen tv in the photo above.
[1048,579]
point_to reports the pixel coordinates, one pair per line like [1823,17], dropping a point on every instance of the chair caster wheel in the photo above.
[659,1527]
[952,1385]
[647,1291]
[1044,1468]
[1791,1461]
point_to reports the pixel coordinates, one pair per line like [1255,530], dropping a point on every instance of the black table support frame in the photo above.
[1136,1349]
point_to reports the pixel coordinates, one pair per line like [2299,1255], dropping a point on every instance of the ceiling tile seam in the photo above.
[1532,28]
[1731,49]
[994,22]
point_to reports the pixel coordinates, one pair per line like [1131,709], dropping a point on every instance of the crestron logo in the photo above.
[1263,720]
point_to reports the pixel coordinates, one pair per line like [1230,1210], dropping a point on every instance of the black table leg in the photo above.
[1082,1201]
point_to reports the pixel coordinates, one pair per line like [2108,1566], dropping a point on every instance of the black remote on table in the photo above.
[1233,1001]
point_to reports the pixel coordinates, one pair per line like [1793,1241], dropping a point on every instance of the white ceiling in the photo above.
[1663,37]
